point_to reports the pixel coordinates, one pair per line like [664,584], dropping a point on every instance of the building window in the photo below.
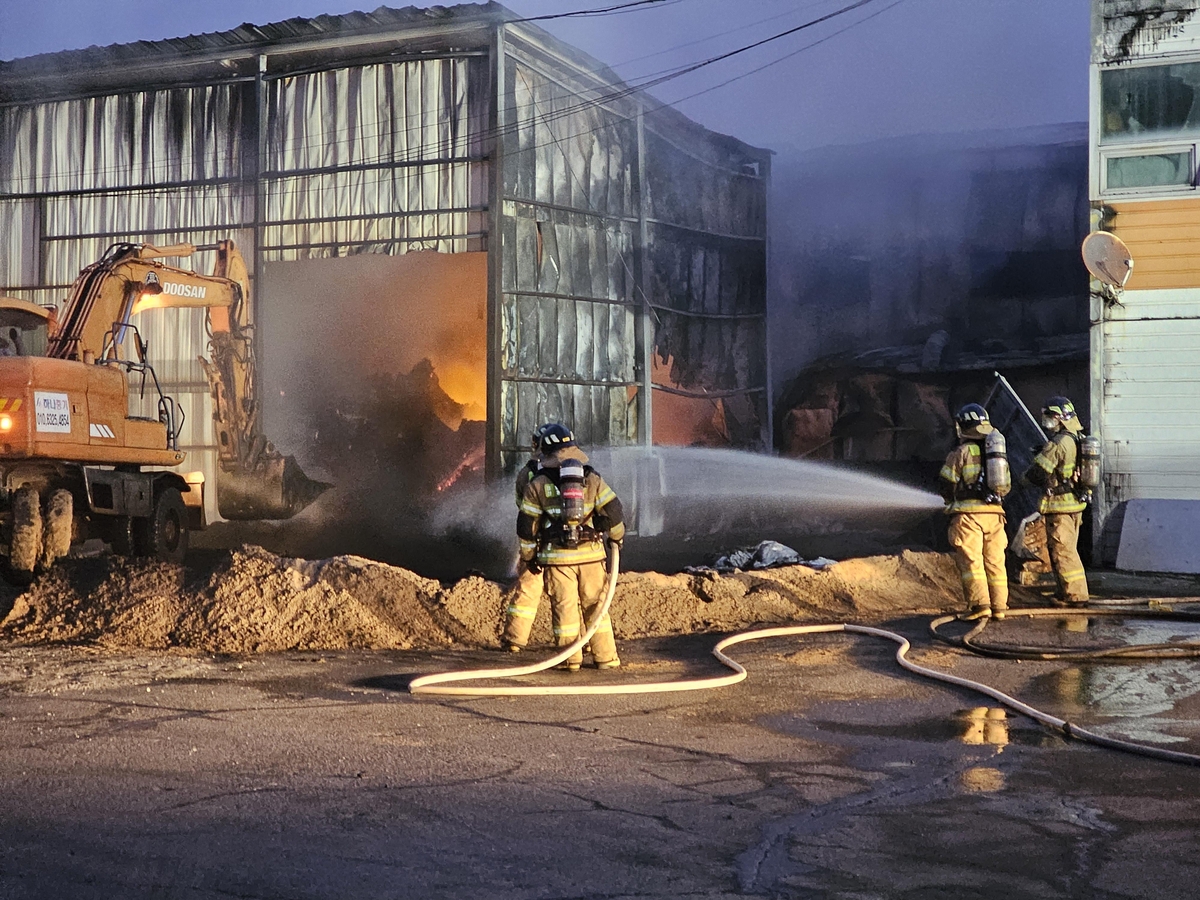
[1147,102]
[1172,168]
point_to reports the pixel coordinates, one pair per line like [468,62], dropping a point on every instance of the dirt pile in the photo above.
[252,601]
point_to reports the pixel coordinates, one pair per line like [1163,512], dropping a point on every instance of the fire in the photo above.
[472,462]
[465,383]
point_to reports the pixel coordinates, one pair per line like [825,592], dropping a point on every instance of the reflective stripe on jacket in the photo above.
[962,476]
[1057,463]
[541,511]
[528,472]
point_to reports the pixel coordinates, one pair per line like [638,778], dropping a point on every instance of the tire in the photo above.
[58,521]
[164,535]
[26,543]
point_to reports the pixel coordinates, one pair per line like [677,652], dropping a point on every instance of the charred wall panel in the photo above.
[77,175]
[706,268]
[568,346]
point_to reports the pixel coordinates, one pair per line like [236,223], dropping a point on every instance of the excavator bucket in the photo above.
[275,487]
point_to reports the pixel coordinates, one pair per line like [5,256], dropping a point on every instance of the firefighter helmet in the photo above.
[1059,412]
[555,437]
[535,442]
[972,421]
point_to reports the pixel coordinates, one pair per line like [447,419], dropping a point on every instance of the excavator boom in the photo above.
[254,480]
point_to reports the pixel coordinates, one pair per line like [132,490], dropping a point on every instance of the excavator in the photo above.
[76,464]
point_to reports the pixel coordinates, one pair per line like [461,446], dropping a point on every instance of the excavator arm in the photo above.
[254,480]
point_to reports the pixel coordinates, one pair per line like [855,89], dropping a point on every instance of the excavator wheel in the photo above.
[56,537]
[26,543]
[164,535]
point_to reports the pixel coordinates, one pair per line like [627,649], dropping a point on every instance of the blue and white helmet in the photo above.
[555,437]
[535,441]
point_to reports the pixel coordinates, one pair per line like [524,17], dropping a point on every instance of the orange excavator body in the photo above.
[66,432]
[64,410]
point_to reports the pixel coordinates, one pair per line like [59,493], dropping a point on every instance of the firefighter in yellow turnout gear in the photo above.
[976,530]
[567,512]
[526,594]
[1055,470]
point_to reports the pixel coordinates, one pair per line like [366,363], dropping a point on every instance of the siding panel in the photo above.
[1151,396]
[1164,238]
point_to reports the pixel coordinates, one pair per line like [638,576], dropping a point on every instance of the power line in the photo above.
[601,11]
[364,180]
[713,37]
[602,98]
[786,56]
[671,75]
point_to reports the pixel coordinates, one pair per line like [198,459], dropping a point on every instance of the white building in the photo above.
[1145,188]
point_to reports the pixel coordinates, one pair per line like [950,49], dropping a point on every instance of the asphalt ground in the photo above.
[828,773]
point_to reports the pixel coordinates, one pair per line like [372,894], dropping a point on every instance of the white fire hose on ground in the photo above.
[438,684]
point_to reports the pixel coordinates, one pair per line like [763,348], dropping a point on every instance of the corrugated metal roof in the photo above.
[249,37]
[300,44]
[224,55]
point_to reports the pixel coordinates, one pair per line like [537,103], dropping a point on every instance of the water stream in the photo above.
[679,490]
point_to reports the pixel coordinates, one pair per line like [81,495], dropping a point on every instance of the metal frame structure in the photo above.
[450,129]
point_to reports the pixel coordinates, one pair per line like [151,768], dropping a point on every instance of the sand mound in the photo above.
[253,601]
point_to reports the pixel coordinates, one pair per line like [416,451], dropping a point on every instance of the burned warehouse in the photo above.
[445,205]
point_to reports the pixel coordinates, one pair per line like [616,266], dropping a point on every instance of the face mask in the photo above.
[1049,423]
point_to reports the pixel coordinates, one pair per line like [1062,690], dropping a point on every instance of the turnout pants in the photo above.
[524,599]
[573,587]
[979,541]
[1062,540]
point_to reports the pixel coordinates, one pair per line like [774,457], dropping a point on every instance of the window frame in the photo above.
[1104,149]
[1152,149]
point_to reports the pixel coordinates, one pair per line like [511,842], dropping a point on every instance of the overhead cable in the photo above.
[599,11]
[608,97]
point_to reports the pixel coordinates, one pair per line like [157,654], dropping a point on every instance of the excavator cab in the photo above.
[24,328]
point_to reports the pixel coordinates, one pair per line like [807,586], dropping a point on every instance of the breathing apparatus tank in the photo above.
[996,468]
[570,486]
[1088,468]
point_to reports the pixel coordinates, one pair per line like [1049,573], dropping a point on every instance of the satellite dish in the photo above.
[1107,258]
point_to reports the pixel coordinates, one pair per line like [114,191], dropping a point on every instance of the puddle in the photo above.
[1134,696]
[984,726]
[990,727]
[1154,701]
[1078,631]
[982,780]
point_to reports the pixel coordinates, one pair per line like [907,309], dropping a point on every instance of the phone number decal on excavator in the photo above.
[53,412]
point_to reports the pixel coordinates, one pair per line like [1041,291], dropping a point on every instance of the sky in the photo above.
[887,69]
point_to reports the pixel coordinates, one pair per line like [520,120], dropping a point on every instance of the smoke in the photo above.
[373,375]
[335,330]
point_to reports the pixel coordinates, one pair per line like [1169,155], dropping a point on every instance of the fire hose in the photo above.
[440,683]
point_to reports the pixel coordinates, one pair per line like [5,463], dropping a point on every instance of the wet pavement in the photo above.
[829,773]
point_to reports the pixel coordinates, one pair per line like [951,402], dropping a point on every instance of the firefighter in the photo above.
[567,512]
[1054,469]
[527,592]
[976,528]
